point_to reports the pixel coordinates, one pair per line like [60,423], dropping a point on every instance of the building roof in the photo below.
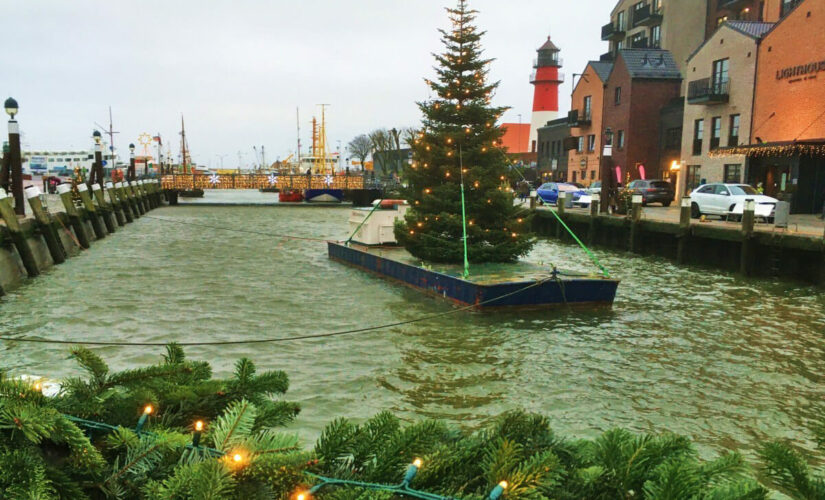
[754,29]
[558,122]
[516,137]
[548,45]
[602,69]
[651,64]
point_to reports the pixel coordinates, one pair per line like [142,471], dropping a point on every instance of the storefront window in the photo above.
[693,178]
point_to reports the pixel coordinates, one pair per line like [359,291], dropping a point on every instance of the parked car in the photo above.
[595,187]
[549,192]
[653,191]
[728,200]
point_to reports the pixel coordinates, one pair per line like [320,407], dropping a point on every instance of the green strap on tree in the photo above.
[464,230]
[587,250]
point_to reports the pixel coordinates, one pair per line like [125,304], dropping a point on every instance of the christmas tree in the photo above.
[459,149]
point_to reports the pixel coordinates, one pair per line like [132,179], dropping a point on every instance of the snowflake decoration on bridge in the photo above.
[328,180]
[273,179]
[214,179]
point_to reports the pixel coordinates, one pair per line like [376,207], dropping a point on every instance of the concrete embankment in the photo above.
[29,246]
[733,247]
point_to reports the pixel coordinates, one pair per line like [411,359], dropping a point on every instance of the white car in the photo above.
[728,200]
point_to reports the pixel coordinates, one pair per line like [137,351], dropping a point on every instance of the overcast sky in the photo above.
[238,69]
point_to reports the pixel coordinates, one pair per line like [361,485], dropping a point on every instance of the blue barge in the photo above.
[554,290]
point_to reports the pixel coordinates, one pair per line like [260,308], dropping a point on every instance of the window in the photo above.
[716,128]
[620,140]
[591,143]
[698,135]
[580,144]
[620,21]
[733,134]
[720,20]
[656,36]
[533,147]
[693,178]
[587,107]
[617,96]
[720,76]
[673,138]
[574,176]
[788,5]
[592,174]
[733,174]
[636,8]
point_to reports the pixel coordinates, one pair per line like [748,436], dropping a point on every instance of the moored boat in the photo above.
[324,195]
[289,195]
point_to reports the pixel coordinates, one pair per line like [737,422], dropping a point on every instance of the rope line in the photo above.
[278,339]
[249,231]
[587,250]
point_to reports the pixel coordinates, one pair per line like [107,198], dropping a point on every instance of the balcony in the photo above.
[732,4]
[706,91]
[639,43]
[545,61]
[559,78]
[612,32]
[577,119]
[646,16]
[606,57]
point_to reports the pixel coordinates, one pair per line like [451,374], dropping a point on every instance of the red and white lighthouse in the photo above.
[546,80]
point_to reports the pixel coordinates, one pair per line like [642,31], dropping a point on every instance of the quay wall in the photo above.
[778,255]
[13,269]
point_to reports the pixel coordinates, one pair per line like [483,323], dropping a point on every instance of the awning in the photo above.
[813,147]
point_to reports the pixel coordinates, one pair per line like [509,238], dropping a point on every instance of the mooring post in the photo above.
[143,197]
[748,220]
[65,192]
[154,188]
[134,205]
[594,217]
[115,200]
[103,208]
[17,236]
[127,202]
[560,206]
[684,230]
[635,218]
[131,197]
[46,224]
[83,189]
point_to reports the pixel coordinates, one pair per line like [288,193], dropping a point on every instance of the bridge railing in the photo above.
[259,181]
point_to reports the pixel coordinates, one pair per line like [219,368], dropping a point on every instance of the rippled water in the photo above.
[726,360]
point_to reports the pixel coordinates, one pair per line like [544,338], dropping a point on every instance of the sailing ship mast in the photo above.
[185,160]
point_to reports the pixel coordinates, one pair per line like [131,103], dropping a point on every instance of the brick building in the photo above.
[641,83]
[721,75]
[787,148]
[585,120]
[769,11]
[552,153]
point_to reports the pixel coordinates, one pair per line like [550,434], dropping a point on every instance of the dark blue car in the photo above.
[549,192]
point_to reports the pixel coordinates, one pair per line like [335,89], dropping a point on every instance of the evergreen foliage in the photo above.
[788,470]
[459,128]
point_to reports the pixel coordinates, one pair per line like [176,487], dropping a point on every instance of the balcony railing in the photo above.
[708,91]
[646,16]
[578,119]
[548,61]
[559,79]
[612,32]
[639,43]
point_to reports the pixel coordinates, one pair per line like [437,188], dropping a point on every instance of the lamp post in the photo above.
[97,169]
[607,179]
[131,175]
[14,163]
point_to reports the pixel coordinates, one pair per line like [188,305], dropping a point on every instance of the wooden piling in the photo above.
[684,230]
[140,191]
[635,219]
[594,217]
[560,207]
[103,208]
[133,192]
[65,192]
[127,202]
[748,220]
[155,193]
[83,189]
[115,200]
[46,225]
[17,236]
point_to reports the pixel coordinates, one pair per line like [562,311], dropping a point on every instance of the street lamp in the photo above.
[12,171]
[11,107]
[97,168]
[132,173]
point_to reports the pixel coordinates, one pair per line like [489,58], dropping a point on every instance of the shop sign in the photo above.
[802,72]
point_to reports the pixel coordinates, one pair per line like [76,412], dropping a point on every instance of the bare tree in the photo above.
[382,144]
[361,147]
[409,136]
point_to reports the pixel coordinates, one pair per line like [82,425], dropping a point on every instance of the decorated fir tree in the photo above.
[460,143]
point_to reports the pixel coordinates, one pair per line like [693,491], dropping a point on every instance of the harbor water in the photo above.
[725,360]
